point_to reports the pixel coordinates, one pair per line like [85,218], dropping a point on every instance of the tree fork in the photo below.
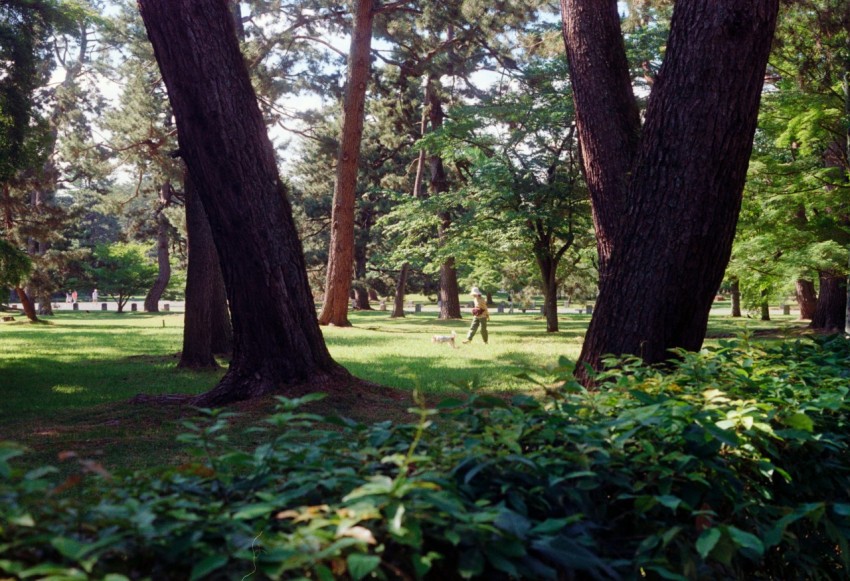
[684,176]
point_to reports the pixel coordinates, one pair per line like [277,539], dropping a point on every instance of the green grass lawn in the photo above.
[64,384]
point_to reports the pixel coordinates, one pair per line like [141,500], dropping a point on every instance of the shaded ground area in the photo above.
[66,385]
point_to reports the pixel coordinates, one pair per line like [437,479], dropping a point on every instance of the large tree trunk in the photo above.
[829,312]
[398,304]
[202,272]
[162,256]
[736,298]
[222,136]
[340,255]
[807,298]
[361,297]
[677,183]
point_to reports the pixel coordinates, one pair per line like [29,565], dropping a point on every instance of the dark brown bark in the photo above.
[341,249]
[45,307]
[736,298]
[548,268]
[830,310]
[449,291]
[162,255]
[764,307]
[361,297]
[202,272]
[26,304]
[398,304]
[373,295]
[607,114]
[450,305]
[223,140]
[685,177]
[807,298]
[221,330]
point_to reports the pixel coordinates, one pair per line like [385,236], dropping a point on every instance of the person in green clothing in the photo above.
[480,316]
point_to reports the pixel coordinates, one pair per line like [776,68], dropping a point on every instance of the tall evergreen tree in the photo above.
[222,136]
[665,194]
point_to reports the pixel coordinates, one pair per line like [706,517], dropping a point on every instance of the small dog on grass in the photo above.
[450,339]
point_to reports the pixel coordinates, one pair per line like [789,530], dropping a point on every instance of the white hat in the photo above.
[475,291]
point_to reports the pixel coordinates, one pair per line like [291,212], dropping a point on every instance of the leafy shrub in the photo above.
[731,464]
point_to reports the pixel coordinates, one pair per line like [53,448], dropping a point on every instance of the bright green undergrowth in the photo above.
[732,464]
[63,384]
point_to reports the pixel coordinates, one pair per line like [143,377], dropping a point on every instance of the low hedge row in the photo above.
[730,464]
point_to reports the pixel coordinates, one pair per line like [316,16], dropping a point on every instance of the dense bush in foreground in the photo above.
[731,465]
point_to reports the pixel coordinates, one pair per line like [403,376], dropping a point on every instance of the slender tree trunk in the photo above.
[548,269]
[26,304]
[677,183]
[765,307]
[162,255]
[340,255]
[607,114]
[449,290]
[736,298]
[829,312]
[202,271]
[223,139]
[398,304]
[807,298]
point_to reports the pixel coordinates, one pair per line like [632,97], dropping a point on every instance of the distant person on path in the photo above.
[73,296]
[68,297]
[480,316]
[94,296]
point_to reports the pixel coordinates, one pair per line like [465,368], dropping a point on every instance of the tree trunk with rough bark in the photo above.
[45,307]
[666,196]
[26,304]
[341,249]
[223,140]
[736,298]
[361,297]
[807,298]
[450,305]
[398,304]
[548,269]
[830,310]
[202,272]
[162,255]
[764,307]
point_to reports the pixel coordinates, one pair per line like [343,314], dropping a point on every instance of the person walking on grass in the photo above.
[480,316]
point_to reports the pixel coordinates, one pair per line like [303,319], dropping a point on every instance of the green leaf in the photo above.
[746,540]
[360,565]
[451,402]
[254,511]
[324,574]
[707,541]
[207,566]
[800,421]
[671,502]
[841,509]
[70,548]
